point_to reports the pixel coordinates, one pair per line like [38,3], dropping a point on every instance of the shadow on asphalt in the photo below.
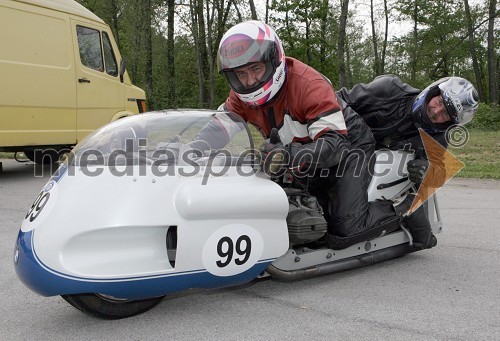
[10,170]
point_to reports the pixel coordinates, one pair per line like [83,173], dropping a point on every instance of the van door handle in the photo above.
[83,80]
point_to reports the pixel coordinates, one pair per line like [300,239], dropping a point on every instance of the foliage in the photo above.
[487,118]
[436,45]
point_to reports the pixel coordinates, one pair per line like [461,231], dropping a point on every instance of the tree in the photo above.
[493,77]
[415,42]
[323,31]
[114,21]
[171,46]
[379,57]
[267,12]
[384,46]
[376,66]
[472,47]
[171,98]
[252,10]
[199,36]
[344,4]
[285,24]
[148,37]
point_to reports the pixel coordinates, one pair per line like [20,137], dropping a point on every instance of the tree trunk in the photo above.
[267,11]
[446,65]
[374,41]
[238,13]
[349,81]
[221,25]
[210,48]
[252,10]
[449,51]
[202,39]
[114,22]
[137,39]
[324,23]
[222,15]
[148,34]
[384,47]
[194,28]
[492,70]
[287,26]
[498,79]
[308,37]
[341,43]
[171,100]
[413,71]
[472,48]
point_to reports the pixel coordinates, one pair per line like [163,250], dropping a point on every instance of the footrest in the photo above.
[339,243]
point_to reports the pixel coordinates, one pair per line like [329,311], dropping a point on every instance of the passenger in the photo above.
[270,91]
[395,112]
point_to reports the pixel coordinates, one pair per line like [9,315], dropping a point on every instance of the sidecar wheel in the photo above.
[110,308]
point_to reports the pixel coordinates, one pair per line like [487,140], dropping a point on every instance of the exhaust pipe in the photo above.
[341,264]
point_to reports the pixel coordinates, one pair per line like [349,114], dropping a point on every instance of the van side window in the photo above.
[109,56]
[89,42]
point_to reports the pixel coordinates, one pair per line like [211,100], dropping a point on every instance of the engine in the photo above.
[305,217]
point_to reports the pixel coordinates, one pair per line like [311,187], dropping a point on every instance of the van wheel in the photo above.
[109,307]
[44,157]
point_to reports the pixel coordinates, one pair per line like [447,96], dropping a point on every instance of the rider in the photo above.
[395,112]
[270,91]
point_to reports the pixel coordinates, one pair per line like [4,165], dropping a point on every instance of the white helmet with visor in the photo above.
[460,99]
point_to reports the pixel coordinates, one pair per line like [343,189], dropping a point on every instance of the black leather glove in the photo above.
[417,169]
[274,156]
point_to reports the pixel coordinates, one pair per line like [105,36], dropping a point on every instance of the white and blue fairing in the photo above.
[135,212]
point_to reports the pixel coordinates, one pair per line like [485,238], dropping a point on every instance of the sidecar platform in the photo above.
[310,261]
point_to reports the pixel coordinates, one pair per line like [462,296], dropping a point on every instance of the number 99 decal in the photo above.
[41,207]
[232,249]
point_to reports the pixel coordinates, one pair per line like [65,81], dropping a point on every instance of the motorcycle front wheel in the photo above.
[108,307]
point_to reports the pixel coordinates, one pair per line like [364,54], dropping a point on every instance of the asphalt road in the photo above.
[449,292]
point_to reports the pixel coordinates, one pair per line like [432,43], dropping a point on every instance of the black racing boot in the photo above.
[420,229]
[404,206]
[429,245]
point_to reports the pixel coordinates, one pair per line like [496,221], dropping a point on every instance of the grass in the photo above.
[481,155]
[6,155]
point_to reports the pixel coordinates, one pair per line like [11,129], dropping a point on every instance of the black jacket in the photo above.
[386,106]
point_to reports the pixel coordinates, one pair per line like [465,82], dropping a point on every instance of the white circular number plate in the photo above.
[44,203]
[232,249]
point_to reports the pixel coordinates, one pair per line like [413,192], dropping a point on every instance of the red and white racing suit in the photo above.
[305,110]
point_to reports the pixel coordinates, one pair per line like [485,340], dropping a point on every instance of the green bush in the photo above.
[487,118]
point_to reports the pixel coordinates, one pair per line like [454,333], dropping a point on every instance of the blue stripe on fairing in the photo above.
[47,282]
[59,173]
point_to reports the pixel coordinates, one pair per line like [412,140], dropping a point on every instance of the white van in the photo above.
[61,77]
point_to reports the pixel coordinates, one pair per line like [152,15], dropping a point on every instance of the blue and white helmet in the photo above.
[460,99]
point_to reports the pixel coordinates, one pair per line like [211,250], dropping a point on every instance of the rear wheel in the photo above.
[108,307]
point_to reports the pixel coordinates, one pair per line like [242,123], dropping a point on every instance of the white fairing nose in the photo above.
[153,213]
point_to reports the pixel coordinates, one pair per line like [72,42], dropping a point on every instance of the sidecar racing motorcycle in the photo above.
[138,211]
